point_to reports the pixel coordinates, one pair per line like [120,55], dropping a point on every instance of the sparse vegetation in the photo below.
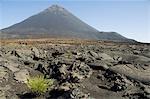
[39,84]
[69,54]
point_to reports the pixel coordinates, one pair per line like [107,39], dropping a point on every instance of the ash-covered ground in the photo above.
[81,69]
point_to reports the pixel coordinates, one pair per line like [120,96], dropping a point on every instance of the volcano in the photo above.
[56,21]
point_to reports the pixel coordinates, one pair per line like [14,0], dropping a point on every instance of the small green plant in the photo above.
[69,54]
[39,84]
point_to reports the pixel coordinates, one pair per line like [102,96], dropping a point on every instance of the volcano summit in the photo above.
[56,21]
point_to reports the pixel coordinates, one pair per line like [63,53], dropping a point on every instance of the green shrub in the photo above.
[39,84]
[68,54]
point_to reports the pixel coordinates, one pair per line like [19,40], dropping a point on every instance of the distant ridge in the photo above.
[56,21]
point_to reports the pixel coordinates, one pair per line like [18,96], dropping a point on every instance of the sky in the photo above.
[130,18]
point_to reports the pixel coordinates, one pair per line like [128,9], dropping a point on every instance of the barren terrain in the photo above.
[82,69]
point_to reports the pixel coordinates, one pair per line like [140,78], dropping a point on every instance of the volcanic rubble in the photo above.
[83,71]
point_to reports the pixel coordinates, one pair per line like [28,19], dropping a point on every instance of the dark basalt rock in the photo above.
[100,70]
[118,87]
[72,73]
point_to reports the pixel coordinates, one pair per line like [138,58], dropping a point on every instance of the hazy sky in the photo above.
[130,18]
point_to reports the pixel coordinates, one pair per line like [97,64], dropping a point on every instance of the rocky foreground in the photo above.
[81,69]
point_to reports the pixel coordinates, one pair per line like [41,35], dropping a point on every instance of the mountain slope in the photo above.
[56,21]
